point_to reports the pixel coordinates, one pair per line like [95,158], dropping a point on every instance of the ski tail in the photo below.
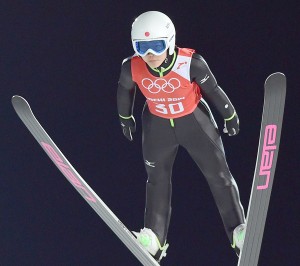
[270,133]
[23,110]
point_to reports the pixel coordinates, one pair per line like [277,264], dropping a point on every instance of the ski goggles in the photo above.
[156,47]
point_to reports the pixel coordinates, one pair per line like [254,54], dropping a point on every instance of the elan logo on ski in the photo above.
[66,170]
[268,151]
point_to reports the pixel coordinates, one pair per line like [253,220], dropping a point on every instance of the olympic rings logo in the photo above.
[161,84]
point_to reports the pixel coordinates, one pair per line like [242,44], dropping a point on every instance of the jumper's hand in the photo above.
[128,126]
[232,125]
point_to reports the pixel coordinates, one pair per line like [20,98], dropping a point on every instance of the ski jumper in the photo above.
[175,114]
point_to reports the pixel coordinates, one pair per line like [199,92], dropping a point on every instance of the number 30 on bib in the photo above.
[172,108]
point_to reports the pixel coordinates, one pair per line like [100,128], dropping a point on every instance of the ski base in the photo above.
[274,101]
[23,110]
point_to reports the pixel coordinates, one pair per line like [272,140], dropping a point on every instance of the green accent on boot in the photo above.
[233,244]
[145,240]
[240,236]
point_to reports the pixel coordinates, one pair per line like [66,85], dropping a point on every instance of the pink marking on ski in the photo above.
[66,170]
[269,148]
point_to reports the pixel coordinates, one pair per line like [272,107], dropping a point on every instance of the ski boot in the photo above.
[238,238]
[150,242]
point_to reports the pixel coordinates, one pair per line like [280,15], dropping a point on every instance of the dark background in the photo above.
[64,57]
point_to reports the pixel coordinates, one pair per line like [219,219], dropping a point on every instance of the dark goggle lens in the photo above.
[157,46]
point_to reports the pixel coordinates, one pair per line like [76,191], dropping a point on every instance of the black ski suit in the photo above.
[198,134]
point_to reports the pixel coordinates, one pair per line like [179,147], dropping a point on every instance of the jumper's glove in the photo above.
[128,126]
[232,126]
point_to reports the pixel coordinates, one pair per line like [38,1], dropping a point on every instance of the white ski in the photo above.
[23,110]
[274,101]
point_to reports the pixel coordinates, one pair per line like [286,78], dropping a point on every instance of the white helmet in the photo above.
[153,26]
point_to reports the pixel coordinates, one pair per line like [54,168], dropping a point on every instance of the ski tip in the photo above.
[19,102]
[276,74]
[17,98]
[276,77]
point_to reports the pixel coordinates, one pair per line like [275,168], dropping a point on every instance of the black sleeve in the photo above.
[210,90]
[126,90]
